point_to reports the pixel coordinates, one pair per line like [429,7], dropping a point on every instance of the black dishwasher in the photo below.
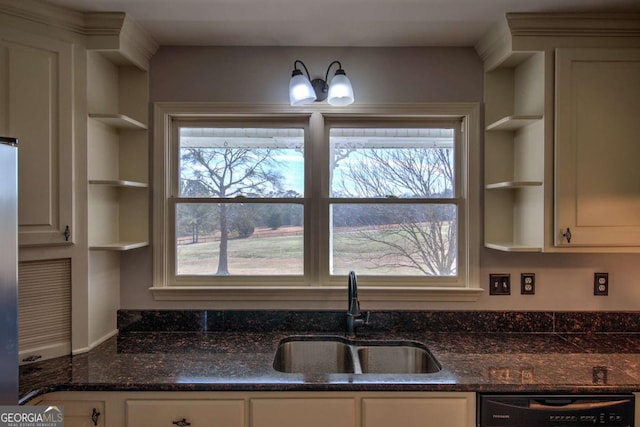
[552,410]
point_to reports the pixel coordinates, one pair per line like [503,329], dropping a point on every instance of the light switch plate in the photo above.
[499,284]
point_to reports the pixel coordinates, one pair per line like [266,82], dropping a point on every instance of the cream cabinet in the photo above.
[561,126]
[597,198]
[514,154]
[316,411]
[430,410]
[195,413]
[268,409]
[37,107]
[78,413]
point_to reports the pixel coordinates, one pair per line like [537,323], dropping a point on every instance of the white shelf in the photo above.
[118,246]
[512,247]
[515,122]
[118,183]
[119,121]
[510,185]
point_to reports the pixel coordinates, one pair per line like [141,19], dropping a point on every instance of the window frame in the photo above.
[318,289]
[175,198]
[459,280]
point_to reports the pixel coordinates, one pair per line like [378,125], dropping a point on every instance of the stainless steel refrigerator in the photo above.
[8,271]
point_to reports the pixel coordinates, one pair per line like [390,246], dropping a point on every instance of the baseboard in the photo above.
[95,343]
[43,353]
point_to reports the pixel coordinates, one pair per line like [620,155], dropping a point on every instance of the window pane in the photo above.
[239,239]
[249,162]
[394,239]
[405,163]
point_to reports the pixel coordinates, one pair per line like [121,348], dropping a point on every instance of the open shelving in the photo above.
[514,154]
[117,154]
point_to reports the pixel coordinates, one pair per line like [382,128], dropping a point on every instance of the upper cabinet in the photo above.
[597,99]
[561,125]
[37,107]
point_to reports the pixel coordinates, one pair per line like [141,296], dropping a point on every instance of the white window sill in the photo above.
[334,297]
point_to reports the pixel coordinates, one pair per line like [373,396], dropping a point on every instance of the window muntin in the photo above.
[394,201]
[239,203]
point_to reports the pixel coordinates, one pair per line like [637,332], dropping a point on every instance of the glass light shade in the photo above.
[340,90]
[300,90]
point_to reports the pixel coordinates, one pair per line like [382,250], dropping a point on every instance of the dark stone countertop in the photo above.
[242,361]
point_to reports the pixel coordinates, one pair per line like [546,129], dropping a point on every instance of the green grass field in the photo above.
[283,255]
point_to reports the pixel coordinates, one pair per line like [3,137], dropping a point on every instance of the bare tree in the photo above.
[420,237]
[227,173]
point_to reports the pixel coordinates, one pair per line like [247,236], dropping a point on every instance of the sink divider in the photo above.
[355,357]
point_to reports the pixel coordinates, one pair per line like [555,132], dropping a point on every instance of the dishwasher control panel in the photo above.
[540,410]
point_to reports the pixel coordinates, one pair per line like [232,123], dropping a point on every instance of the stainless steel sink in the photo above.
[314,356]
[396,359]
[328,354]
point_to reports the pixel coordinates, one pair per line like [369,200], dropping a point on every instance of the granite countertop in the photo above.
[242,361]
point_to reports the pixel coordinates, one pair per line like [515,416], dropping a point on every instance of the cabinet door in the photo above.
[312,412]
[194,413]
[80,413]
[36,106]
[597,195]
[418,412]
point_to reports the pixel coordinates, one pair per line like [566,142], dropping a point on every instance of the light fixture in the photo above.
[303,90]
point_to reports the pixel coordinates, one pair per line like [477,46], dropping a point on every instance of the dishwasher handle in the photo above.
[551,404]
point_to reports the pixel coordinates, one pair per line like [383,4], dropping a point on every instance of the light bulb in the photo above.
[340,90]
[300,90]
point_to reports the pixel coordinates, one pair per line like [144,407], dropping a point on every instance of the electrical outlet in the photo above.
[600,375]
[527,283]
[500,374]
[499,284]
[601,284]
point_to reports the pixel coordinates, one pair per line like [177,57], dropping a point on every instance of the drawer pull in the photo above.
[182,423]
[94,416]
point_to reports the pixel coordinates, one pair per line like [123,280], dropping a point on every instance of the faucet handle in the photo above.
[366,320]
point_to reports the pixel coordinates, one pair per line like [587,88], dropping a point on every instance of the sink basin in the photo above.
[314,356]
[396,359]
[327,355]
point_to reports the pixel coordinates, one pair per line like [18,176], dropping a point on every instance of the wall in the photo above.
[379,75]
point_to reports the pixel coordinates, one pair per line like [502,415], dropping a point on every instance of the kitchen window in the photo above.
[393,207]
[274,207]
[239,200]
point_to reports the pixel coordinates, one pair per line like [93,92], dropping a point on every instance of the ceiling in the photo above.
[330,22]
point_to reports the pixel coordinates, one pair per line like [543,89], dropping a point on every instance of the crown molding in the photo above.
[496,43]
[116,34]
[574,24]
[496,47]
[45,14]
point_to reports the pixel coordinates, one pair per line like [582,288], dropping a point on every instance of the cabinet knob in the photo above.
[182,423]
[567,235]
